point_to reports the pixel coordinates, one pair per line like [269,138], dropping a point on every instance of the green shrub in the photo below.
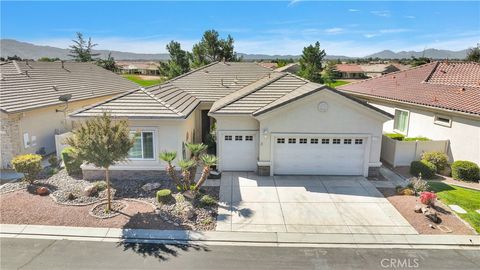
[100,185]
[439,159]
[424,168]
[29,164]
[71,160]
[53,160]
[395,136]
[51,171]
[164,196]
[208,200]
[418,184]
[465,170]
[416,139]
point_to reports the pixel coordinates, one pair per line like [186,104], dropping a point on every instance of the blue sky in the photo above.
[281,27]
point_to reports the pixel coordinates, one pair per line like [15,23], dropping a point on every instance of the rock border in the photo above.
[90,212]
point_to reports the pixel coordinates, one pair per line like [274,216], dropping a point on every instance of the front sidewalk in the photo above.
[240,238]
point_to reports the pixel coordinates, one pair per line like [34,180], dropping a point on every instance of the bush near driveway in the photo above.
[423,167]
[468,199]
[29,164]
[71,160]
[439,159]
[465,170]
[400,137]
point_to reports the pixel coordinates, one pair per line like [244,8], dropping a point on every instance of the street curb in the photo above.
[237,238]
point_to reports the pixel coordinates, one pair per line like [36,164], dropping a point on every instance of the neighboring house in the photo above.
[267,121]
[439,100]
[356,71]
[135,67]
[31,112]
[292,68]
[270,65]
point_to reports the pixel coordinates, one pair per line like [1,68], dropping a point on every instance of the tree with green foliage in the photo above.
[212,48]
[48,59]
[473,54]
[169,157]
[311,63]
[108,63]
[208,161]
[82,50]
[103,142]
[178,63]
[186,167]
[329,73]
[196,149]
[419,61]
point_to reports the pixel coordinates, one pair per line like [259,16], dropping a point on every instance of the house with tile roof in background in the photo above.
[36,97]
[439,100]
[362,71]
[266,121]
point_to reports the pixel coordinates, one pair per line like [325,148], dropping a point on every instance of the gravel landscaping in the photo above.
[100,210]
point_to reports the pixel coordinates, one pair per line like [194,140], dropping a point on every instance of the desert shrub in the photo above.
[100,185]
[208,200]
[51,171]
[418,184]
[164,196]
[53,160]
[420,138]
[465,170]
[71,160]
[29,164]
[406,191]
[179,198]
[423,168]
[439,159]
[428,198]
[395,136]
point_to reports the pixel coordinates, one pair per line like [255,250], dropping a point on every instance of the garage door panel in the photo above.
[318,158]
[239,151]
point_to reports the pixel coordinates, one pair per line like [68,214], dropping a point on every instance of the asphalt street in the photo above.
[19,253]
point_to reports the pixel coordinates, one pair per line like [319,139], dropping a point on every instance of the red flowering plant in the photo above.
[428,198]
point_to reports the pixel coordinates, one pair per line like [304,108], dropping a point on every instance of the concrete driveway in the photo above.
[308,204]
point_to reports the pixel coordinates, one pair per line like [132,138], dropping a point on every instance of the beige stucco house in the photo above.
[439,100]
[30,109]
[266,121]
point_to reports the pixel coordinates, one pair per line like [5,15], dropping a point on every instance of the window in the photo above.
[325,141]
[238,138]
[142,146]
[347,141]
[249,138]
[336,141]
[292,140]
[303,141]
[400,123]
[443,121]
[280,140]
[228,137]
[358,141]
[314,141]
[26,140]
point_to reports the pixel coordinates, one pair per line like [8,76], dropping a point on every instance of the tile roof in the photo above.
[349,68]
[451,86]
[25,86]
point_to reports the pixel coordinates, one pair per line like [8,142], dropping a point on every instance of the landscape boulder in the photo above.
[151,186]
[42,191]
[431,214]
[90,190]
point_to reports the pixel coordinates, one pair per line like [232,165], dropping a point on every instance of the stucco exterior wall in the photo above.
[10,141]
[236,122]
[40,126]
[464,134]
[342,117]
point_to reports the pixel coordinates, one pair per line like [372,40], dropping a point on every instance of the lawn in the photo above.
[338,83]
[468,199]
[140,81]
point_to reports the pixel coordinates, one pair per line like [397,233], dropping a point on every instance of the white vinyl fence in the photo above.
[60,143]
[402,153]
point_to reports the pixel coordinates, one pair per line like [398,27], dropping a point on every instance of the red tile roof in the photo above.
[349,68]
[451,86]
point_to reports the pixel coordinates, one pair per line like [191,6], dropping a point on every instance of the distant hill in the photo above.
[11,47]
[429,53]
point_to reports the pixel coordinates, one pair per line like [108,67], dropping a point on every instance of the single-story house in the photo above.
[138,67]
[439,100]
[266,121]
[30,109]
[357,71]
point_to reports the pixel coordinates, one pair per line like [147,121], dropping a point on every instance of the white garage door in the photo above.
[238,151]
[323,155]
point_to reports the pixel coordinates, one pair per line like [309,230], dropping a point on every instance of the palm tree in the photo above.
[208,161]
[195,149]
[186,166]
[169,157]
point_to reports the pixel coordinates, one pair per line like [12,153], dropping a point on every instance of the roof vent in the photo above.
[26,73]
[63,62]
[55,87]
[443,71]
[235,81]
[206,71]
[3,78]
[461,90]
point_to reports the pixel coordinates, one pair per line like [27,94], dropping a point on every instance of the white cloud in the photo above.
[293,2]
[335,30]
[394,30]
[410,17]
[353,10]
[370,35]
[381,13]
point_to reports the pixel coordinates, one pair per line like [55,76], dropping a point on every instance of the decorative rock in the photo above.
[71,197]
[189,212]
[431,226]
[176,224]
[42,191]
[432,215]
[151,186]
[418,208]
[90,191]
[158,211]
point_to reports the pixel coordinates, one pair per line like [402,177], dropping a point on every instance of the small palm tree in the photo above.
[196,149]
[169,156]
[208,161]
[186,166]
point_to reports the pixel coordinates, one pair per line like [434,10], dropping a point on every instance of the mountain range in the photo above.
[11,47]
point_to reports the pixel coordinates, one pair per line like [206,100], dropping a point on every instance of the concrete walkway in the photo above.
[306,204]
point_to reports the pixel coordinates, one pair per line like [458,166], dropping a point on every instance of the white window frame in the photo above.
[395,120]
[441,123]
[141,141]
[26,140]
